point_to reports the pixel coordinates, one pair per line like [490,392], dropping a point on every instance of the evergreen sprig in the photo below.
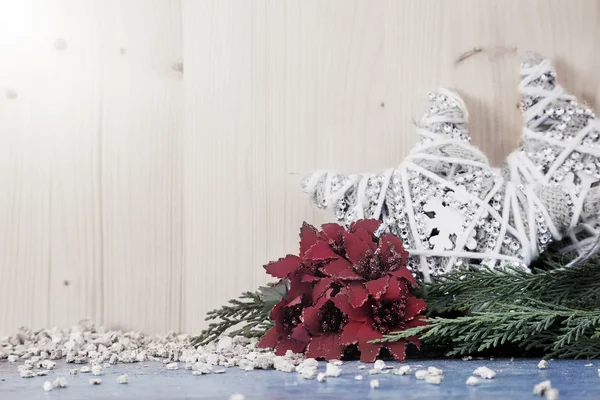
[479,289]
[553,311]
[250,313]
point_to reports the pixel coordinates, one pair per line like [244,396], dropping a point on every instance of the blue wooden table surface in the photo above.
[514,380]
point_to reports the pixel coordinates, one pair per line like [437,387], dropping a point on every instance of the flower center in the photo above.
[373,265]
[388,316]
[291,317]
[332,320]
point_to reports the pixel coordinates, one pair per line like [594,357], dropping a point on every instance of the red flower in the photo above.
[396,309]
[289,333]
[346,287]
[325,323]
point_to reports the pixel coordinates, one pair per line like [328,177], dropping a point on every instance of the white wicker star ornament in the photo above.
[451,207]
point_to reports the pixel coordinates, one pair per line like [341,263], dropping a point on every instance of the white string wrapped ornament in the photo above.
[450,207]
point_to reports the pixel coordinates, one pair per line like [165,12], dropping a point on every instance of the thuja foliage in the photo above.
[247,316]
[554,311]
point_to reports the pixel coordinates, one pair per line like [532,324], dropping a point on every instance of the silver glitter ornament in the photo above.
[450,207]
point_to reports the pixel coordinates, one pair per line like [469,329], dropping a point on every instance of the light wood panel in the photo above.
[49,214]
[140,142]
[151,151]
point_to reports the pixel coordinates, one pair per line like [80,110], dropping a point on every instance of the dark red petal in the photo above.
[414,306]
[357,294]
[283,267]
[404,273]
[368,351]
[341,269]
[414,340]
[370,225]
[419,320]
[321,286]
[320,251]
[287,343]
[325,346]
[299,288]
[350,332]
[398,350]
[308,237]
[396,291]
[378,287]
[276,311]
[359,314]
[388,242]
[332,231]
[367,333]
[309,278]
[366,237]
[269,341]
[300,334]
[355,247]
[311,318]
[392,246]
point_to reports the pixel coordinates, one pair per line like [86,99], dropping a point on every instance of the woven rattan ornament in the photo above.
[451,208]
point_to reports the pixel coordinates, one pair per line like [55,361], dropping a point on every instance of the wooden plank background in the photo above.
[150,150]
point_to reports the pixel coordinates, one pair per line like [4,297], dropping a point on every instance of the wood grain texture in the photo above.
[152,158]
[140,138]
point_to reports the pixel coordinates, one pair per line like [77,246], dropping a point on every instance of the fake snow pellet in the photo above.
[96,370]
[433,371]
[282,364]
[48,364]
[237,396]
[84,344]
[73,371]
[309,372]
[434,379]
[358,378]
[201,368]
[123,379]
[95,381]
[337,362]
[484,372]
[307,363]
[421,374]
[332,370]
[60,382]
[362,366]
[374,371]
[552,394]
[374,383]
[541,388]
[47,386]
[403,370]
[85,369]
[41,373]
[173,366]
[321,377]
[26,373]
[588,365]
[379,364]
[220,371]
[472,381]
[543,364]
